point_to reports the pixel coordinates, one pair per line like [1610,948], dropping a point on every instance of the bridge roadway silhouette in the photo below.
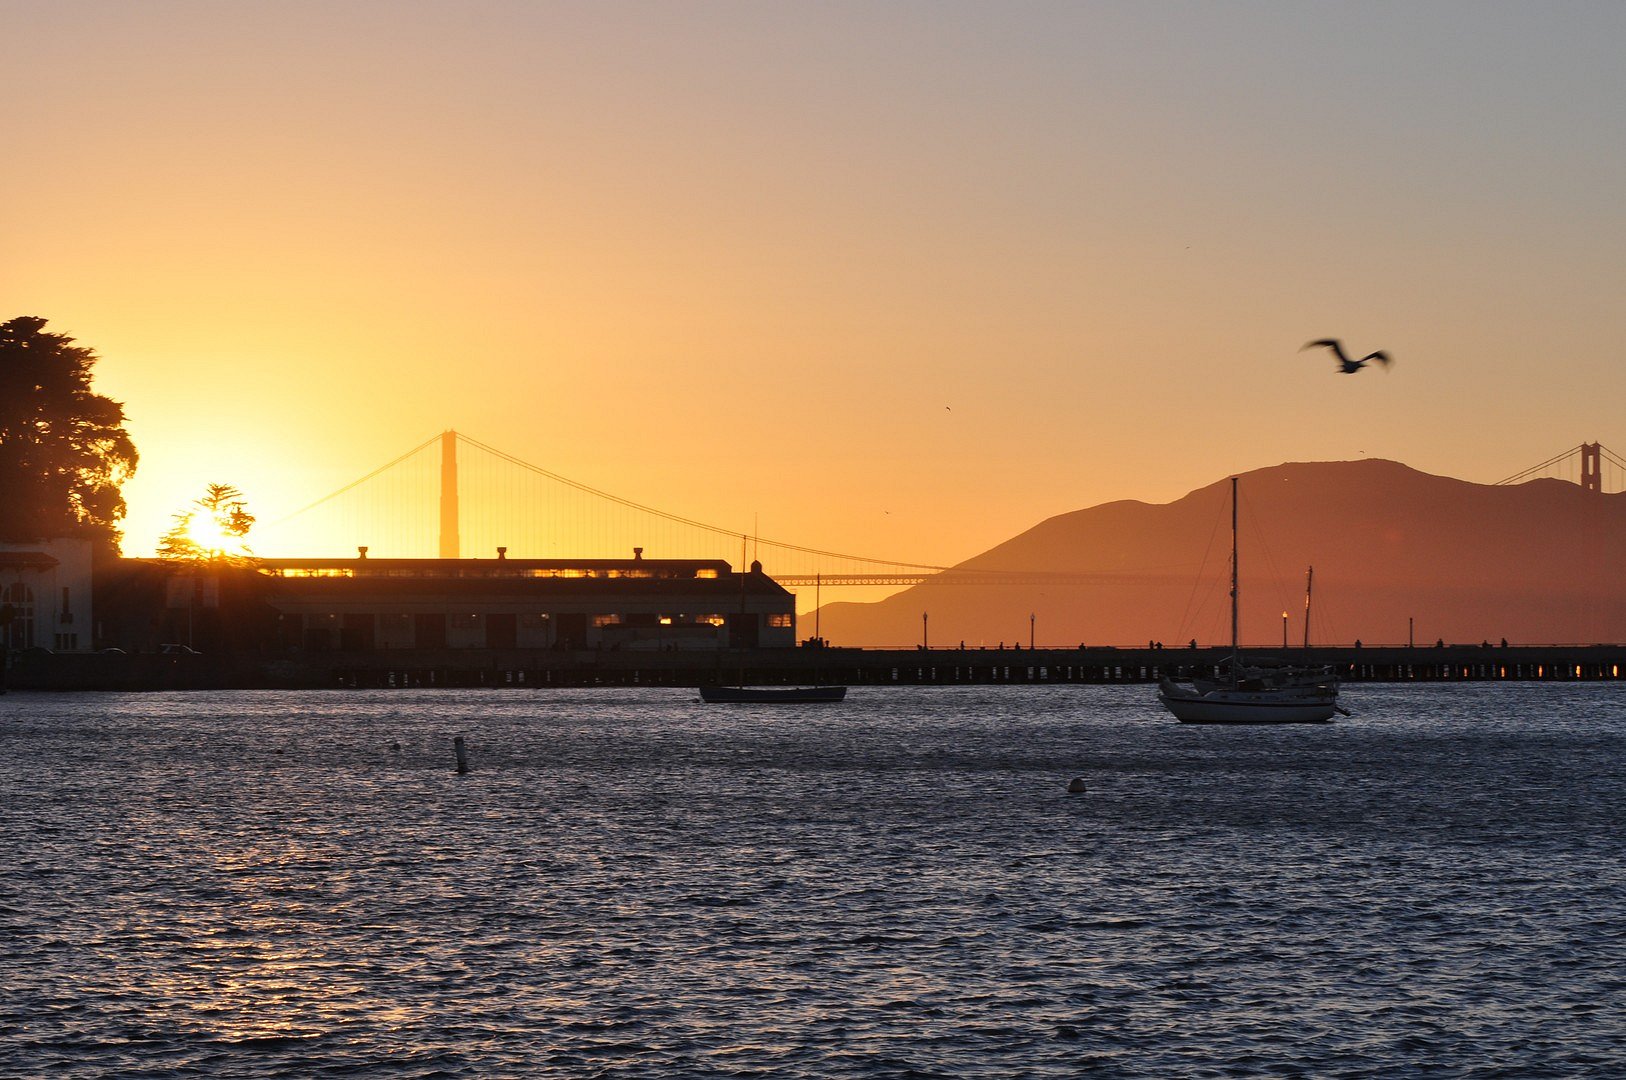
[537,493]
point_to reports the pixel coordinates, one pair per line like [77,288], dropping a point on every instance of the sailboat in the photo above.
[1258,693]
[766,695]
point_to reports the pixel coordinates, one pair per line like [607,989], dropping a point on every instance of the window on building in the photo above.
[17,602]
[307,572]
[606,620]
[705,573]
[779,620]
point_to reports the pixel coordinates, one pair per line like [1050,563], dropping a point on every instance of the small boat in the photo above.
[1264,692]
[1249,702]
[771,695]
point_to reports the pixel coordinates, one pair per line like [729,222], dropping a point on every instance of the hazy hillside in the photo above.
[1537,562]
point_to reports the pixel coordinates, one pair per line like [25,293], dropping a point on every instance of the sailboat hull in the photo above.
[1248,707]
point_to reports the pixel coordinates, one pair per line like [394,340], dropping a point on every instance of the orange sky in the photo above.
[901,279]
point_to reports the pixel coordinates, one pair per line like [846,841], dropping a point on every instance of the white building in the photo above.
[45,595]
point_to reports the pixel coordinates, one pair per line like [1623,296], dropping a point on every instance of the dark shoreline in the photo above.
[769,667]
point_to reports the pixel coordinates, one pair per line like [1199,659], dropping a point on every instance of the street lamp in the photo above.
[923,640]
[1284,629]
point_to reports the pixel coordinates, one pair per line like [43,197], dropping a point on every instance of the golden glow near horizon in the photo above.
[896,280]
[212,538]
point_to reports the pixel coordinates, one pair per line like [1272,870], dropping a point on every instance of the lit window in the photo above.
[705,573]
[779,620]
[606,620]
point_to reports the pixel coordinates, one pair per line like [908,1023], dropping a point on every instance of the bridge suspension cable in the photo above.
[330,496]
[1589,458]
[390,511]
[732,534]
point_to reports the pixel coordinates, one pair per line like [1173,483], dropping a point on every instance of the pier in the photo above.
[541,670]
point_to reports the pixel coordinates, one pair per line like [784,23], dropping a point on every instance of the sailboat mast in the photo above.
[1235,588]
[1309,581]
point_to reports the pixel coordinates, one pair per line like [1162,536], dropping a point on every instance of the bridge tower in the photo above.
[449,543]
[1591,467]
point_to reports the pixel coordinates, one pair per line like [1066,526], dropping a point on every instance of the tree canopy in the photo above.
[63,450]
[212,529]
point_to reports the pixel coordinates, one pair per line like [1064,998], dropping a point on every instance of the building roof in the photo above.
[27,560]
[441,569]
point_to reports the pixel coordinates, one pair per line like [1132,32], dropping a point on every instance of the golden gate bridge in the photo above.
[486,498]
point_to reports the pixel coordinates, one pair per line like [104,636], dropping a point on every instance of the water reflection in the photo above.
[629,882]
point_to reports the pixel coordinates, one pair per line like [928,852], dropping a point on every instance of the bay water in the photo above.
[632,884]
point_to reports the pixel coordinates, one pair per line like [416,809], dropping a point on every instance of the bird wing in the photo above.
[1331,343]
[1381,357]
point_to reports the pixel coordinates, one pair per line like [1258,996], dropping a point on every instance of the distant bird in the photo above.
[1345,364]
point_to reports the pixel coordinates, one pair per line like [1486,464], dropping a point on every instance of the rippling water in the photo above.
[631,884]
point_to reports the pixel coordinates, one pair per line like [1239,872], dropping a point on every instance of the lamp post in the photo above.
[924,641]
[1284,629]
[1031,619]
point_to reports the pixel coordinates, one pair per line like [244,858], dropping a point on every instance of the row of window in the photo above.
[539,621]
[705,573]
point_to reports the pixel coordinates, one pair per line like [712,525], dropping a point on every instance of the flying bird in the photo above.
[1345,364]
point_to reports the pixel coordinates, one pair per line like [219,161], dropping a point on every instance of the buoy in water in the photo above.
[1076,786]
[462,755]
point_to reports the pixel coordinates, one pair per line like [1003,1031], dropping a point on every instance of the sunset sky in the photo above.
[895,278]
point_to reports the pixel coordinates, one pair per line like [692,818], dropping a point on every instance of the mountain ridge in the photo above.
[1389,543]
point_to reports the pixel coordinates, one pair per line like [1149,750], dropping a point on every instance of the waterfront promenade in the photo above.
[853,667]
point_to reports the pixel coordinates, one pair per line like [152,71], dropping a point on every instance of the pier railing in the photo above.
[854,667]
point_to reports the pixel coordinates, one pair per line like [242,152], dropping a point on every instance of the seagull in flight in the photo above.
[1345,364]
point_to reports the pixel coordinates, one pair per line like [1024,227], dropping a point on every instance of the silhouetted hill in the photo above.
[1536,562]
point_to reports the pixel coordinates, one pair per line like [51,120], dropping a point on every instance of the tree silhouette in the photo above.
[63,449]
[203,532]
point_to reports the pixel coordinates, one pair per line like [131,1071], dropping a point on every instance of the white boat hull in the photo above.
[1270,706]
